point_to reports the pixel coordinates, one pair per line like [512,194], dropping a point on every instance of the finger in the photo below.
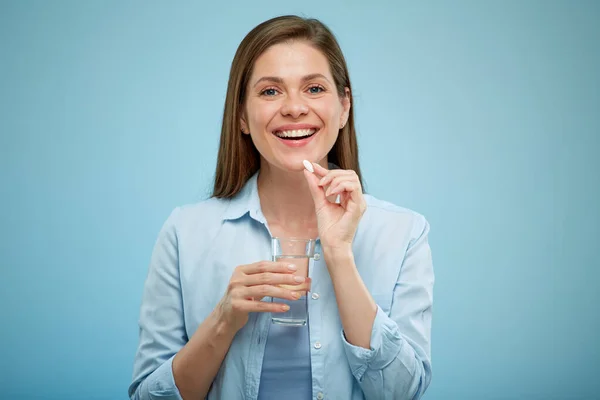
[350,191]
[273,278]
[342,186]
[347,191]
[317,192]
[319,170]
[272,307]
[339,179]
[268,266]
[260,291]
[336,174]
[242,305]
[335,181]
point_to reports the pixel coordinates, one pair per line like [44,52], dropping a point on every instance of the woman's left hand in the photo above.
[337,222]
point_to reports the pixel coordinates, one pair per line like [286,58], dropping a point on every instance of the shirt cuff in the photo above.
[386,344]
[162,385]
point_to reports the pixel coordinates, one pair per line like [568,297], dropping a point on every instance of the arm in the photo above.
[167,365]
[392,359]
[164,356]
[393,362]
[356,306]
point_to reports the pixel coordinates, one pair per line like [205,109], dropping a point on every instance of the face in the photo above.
[293,111]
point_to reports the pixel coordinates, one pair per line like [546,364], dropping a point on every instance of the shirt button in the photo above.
[317,256]
[317,345]
[315,296]
[320,396]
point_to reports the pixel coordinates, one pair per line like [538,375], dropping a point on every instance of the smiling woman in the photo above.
[287,168]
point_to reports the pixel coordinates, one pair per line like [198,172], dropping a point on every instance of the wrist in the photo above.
[338,254]
[223,326]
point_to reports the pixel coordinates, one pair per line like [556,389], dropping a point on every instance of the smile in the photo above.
[295,134]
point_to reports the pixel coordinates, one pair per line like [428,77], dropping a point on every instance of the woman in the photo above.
[204,333]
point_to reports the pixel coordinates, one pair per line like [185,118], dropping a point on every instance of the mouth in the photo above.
[295,134]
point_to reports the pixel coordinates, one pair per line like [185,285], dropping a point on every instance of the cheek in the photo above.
[329,111]
[261,114]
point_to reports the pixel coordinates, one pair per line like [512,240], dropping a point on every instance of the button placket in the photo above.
[318,273]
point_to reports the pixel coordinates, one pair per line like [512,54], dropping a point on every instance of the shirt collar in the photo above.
[246,201]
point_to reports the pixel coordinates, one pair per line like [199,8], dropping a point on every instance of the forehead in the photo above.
[290,60]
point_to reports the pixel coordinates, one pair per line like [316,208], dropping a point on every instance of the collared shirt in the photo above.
[201,244]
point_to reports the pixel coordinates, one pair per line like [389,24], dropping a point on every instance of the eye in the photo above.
[316,89]
[269,92]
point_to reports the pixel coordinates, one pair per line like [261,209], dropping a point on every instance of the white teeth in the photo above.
[295,133]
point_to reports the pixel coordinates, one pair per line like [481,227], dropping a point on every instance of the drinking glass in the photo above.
[295,251]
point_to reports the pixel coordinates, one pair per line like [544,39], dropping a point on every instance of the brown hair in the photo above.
[238,158]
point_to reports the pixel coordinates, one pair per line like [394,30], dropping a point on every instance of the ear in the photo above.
[244,124]
[346,104]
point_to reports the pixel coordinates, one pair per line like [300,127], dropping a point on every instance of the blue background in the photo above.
[487,112]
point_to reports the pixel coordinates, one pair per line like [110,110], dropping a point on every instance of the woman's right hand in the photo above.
[250,283]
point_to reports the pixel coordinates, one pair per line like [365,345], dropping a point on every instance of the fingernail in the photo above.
[299,279]
[308,166]
[292,267]
[296,295]
[285,307]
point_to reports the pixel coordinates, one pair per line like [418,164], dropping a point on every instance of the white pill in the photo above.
[308,166]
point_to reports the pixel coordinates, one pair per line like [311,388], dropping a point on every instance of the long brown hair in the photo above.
[238,158]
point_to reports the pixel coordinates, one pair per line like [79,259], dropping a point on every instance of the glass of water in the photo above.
[298,252]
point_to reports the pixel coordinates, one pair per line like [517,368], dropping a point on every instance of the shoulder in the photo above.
[203,214]
[391,218]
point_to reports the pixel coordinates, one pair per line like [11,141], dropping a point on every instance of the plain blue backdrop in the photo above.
[487,112]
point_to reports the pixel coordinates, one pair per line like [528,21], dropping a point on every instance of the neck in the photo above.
[286,202]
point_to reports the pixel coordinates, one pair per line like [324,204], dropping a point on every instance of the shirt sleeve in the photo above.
[161,325]
[398,363]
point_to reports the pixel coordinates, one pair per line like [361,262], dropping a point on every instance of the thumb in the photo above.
[317,192]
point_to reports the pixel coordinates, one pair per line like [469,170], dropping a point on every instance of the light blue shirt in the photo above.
[201,244]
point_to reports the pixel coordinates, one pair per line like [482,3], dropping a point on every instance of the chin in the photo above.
[292,164]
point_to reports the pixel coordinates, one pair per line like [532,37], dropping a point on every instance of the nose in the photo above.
[294,106]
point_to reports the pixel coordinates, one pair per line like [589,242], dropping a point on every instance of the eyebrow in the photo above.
[278,80]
